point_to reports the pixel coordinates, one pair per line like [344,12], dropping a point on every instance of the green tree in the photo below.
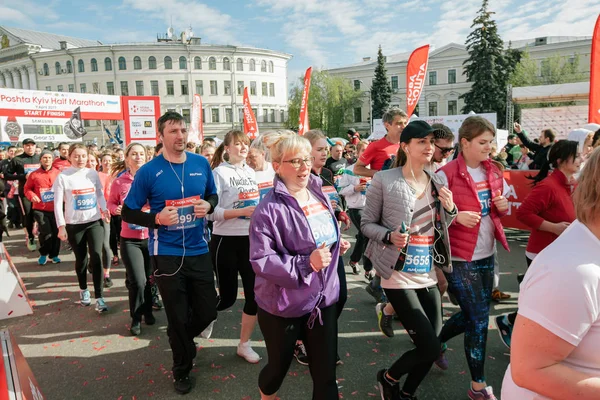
[554,70]
[488,67]
[381,91]
[331,103]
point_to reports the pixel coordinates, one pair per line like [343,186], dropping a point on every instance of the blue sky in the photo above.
[321,33]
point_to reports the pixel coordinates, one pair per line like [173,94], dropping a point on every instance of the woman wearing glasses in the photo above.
[295,243]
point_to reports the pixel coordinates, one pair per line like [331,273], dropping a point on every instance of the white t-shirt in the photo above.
[81,192]
[418,259]
[561,292]
[485,238]
[265,179]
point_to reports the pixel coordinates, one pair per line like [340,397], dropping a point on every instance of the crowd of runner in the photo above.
[187,219]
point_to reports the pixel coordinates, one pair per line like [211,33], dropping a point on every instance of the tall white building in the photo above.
[445,81]
[175,68]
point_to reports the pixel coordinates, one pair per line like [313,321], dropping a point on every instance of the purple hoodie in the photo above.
[281,242]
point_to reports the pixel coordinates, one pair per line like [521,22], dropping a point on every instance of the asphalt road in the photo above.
[77,354]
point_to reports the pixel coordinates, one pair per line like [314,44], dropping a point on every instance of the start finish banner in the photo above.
[42,116]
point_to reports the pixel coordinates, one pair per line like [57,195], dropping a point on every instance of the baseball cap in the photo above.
[415,129]
[351,131]
[28,141]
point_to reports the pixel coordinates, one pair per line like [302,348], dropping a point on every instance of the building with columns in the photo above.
[175,67]
[445,81]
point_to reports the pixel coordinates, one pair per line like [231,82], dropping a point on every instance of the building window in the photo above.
[124,88]
[59,88]
[110,88]
[253,88]
[433,109]
[272,89]
[80,66]
[168,63]
[182,62]
[185,113]
[451,76]
[48,88]
[71,88]
[213,88]
[240,88]
[46,69]
[228,115]
[170,88]
[215,115]
[122,64]
[357,114]
[107,64]
[265,90]
[212,64]
[57,67]
[82,88]
[197,63]
[227,87]
[271,67]
[432,77]
[139,88]
[240,114]
[94,65]
[271,115]
[185,90]
[154,88]
[394,84]
[263,66]
[240,64]
[282,116]
[200,88]
[151,62]
[356,84]
[452,107]
[255,112]
[69,67]
[252,65]
[226,64]
[137,63]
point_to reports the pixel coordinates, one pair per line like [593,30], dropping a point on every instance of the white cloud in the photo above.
[12,14]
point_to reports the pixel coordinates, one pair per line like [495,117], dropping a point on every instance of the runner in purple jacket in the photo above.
[295,243]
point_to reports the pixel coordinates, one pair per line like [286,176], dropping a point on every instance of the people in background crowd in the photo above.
[540,150]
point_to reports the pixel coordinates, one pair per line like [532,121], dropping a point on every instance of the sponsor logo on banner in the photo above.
[303,125]
[141,107]
[250,125]
[416,69]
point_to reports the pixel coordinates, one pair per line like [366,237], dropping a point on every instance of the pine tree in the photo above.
[488,67]
[381,91]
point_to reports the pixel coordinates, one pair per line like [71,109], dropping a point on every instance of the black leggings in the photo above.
[361,240]
[419,311]
[512,316]
[321,346]
[343,296]
[137,265]
[48,233]
[107,253]
[230,256]
[84,238]
[115,234]
[27,210]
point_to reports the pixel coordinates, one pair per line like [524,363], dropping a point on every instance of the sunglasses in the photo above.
[445,150]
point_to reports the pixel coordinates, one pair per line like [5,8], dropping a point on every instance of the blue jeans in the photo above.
[471,283]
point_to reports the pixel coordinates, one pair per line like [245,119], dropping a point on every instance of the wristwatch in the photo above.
[387,238]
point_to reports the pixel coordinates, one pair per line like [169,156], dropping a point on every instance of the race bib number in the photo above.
[484,193]
[84,199]
[264,188]
[332,193]
[321,224]
[30,167]
[418,255]
[47,195]
[248,199]
[185,211]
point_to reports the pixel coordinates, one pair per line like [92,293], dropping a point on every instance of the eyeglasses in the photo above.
[445,150]
[297,162]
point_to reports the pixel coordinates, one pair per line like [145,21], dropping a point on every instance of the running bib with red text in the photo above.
[185,212]
[264,188]
[418,254]
[332,193]
[321,224]
[484,193]
[47,195]
[248,199]
[84,199]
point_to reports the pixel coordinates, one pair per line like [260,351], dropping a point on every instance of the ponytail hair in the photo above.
[563,150]
[401,158]
[230,138]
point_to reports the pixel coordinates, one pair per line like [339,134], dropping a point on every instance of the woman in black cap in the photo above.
[406,219]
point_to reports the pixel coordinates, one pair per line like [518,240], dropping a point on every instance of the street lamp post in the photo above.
[370,110]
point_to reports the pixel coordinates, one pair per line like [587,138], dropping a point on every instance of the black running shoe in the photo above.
[183,385]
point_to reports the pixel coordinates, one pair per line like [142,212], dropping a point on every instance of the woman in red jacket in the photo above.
[548,210]
[478,186]
[38,189]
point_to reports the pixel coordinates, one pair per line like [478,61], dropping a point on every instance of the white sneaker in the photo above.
[207,333]
[245,351]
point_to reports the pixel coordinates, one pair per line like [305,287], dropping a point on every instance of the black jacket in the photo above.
[541,152]
[19,167]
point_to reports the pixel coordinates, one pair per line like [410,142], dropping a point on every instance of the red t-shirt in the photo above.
[378,153]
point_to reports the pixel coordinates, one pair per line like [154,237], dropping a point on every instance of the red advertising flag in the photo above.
[416,69]
[303,125]
[594,110]
[250,125]
[196,123]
